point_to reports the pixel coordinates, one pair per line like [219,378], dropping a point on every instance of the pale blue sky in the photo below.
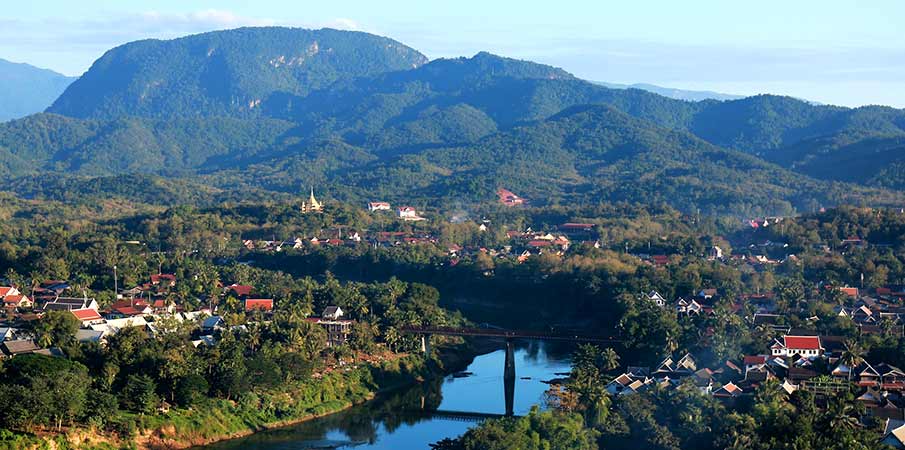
[833,51]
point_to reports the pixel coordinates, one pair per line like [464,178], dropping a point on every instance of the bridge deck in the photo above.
[509,334]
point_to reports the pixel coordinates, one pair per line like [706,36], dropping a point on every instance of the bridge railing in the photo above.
[510,334]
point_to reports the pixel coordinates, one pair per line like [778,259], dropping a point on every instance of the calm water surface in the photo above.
[402,420]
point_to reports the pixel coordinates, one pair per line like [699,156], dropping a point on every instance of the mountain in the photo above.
[596,152]
[398,127]
[225,73]
[673,93]
[872,160]
[25,89]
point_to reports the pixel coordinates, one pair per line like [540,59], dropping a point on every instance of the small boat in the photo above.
[462,374]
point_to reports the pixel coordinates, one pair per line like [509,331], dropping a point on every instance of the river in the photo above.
[405,419]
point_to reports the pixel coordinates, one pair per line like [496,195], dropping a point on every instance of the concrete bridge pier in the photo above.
[426,345]
[509,377]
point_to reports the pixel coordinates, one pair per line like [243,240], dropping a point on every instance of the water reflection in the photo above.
[403,419]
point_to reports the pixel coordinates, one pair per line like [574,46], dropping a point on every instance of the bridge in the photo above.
[552,335]
[461,416]
[509,336]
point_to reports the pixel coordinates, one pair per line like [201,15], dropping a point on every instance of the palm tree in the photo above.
[852,355]
[609,359]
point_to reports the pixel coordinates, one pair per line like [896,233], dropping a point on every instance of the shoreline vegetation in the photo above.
[217,420]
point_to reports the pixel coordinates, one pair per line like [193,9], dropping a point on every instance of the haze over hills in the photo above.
[275,108]
[25,89]
[678,94]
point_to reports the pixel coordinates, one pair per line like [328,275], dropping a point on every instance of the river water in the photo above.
[404,419]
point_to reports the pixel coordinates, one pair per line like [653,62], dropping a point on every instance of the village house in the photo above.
[338,329]
[259,304]
[409,214]
[806,346]
[378,206]
[87,316]
[70,303]
[508,198]
[655,297]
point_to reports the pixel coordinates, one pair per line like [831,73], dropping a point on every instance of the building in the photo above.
[337,328]
[259,304]
[378,206]
[806,346]
[508,198]
[409,214]
[312,205]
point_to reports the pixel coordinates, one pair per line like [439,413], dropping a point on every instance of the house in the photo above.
[70,303]
[688,307]
[378,206]
[6,291]
[113,326]
[89,335]
[258,304]
[332,313]
[19,347]
[409,214]
[865,375]
[894,434]
[163,279]
[728,391]
[212,323]
[129,308]
[87,316]
[7,333]
[655,297]
[508,198]
[806,346]
[715,253]
[16,301]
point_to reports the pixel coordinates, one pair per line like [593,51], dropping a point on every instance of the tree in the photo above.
[139,394]
[56,328]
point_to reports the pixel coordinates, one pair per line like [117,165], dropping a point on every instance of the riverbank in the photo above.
[217,420]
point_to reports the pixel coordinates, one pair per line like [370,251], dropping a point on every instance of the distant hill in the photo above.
[677,94]
[365,116]
[226,73]
[25,89]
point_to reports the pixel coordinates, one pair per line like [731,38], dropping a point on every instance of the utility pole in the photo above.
[115,284]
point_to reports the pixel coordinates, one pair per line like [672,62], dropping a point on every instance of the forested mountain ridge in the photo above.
[398,126]
[225,73]
[25,89]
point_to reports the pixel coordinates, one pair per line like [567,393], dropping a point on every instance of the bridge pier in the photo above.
[426,345]
[509,378]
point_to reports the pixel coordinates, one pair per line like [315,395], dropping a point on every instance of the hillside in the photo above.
[25,89]
[398,127]
[584,154]
[225,73]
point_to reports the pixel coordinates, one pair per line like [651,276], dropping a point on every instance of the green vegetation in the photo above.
[225,73]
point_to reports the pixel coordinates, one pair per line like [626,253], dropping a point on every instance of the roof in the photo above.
[86,314]
[265,304]
[802,342]
[241,289]
[6,290]
[212,322]
[755,360]
[331,310]
[20,346]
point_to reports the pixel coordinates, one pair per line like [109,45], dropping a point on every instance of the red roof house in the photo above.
[262,304]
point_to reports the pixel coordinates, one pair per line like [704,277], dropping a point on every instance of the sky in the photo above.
[843,52]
